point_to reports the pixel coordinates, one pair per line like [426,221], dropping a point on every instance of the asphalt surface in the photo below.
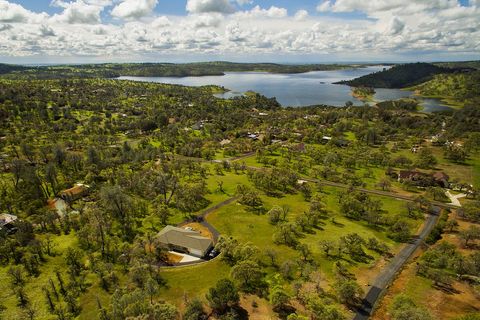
[389,273]
[203,215]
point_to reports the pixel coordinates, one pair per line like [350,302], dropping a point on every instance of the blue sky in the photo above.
[34,31]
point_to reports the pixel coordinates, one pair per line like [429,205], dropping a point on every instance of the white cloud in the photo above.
[324,6]
[301,15]
[5,26]
[258,12]
[219,27]
[15,13]
[80,11]
[160,22]
[202,6]
[396,26]
[47,31]
[134,9]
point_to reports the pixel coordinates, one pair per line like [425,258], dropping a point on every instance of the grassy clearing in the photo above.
[192,281]
[234,220]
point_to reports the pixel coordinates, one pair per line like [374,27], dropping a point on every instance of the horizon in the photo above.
[373,62]
[279,31]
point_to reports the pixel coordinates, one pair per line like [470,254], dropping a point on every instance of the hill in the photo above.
[400,76]
[460,64]
[7,68]
[461,87]
[113,70]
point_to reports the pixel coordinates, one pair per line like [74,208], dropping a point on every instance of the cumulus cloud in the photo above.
[15,13]
[301,14]
[324,6]
[222,27]
[80,11]
[258,12]
[134,9]
[5,26]
[46,31]
[396,26]
[202,6]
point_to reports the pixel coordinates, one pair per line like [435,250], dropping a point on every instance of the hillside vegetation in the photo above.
[462,87]
[400,76]
[113,70]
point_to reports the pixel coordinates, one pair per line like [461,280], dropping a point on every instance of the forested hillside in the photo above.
[462,87]
[112,70]
[400,76]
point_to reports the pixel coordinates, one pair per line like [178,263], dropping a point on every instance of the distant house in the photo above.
[422,179]
[418,178]
[441,178]
[224,142]
[7,223]
[187,241]
[326,139]
[74,193]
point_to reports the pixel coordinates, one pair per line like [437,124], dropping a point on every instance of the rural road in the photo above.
[389,272]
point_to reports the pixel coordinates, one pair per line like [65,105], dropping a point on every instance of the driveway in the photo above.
[454,198]
[388,274]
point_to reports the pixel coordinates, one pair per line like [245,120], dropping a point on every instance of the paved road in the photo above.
[388,274]
[203,215]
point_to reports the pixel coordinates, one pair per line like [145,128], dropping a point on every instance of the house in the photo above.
[187,241]
[7,223]
[74,193]
[417,177]
[441,178]
[326,139]
[224,142]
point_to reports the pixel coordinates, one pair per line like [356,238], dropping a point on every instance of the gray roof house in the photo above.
[187,241]
[7,223]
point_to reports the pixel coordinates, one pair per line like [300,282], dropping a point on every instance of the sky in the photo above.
[290,31]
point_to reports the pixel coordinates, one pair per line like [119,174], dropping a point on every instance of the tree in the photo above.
[404,308]
[119,205]
[426,159]
[287,234]
[248,275]
[275,215]
[195,311]
[400,230]
[223,296]
[163,212]
[385,184]
[451,225]
[348,292]
[472,233]
[151,288]
[304,251]
[436,193]
[279,298]
[327,246]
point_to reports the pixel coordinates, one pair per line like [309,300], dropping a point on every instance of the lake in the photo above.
[302,89]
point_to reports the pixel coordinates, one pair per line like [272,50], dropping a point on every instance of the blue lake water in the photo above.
[303,89]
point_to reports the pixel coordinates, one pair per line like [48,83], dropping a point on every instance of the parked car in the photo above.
[212,254]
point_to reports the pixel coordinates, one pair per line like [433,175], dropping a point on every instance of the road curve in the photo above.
[388,274]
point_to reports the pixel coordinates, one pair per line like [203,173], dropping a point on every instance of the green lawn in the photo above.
[193,281]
